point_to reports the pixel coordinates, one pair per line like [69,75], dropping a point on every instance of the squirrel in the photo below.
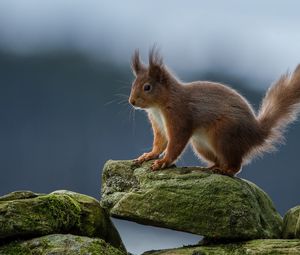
[220,124]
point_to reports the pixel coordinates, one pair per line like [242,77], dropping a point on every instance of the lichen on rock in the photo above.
[189,199]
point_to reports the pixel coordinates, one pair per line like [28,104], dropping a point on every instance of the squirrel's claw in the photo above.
[145,157]
[159,164]
[136,162]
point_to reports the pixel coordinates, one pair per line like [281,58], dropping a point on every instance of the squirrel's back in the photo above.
[210,101]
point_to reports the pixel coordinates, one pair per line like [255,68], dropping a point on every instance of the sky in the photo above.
[251,38]
[56,118]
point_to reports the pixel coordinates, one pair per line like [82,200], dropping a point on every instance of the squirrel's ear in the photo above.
[136,65]
[157,70]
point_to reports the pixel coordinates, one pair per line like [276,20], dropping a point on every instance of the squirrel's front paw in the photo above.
[159,164]
[145,157]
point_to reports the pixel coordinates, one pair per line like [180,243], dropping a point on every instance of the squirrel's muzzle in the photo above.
[132,101]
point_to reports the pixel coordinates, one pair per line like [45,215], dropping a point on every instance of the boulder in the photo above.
[60,244]
[189,199]
[263,246]
[291,223]
[26,214]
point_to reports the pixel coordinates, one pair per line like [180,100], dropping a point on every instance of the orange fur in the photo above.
[160,140]
[159,143]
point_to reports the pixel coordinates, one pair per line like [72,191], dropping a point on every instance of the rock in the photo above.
[26,214]
[22,194]
[291,223]
[265,247]
[189,199]
[60,244]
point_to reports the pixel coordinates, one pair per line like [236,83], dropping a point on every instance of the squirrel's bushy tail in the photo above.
[279,107]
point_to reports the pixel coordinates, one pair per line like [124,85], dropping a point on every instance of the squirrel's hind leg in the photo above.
[205,155]
[230,154]
[223,158]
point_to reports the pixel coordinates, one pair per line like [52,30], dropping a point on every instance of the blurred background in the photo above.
[65,78]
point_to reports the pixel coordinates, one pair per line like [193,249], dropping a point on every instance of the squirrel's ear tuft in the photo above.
[136,65]
[157,70]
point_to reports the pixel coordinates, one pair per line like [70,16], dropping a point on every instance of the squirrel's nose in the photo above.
[132,101]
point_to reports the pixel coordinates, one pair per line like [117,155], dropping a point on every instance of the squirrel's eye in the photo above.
[147,87]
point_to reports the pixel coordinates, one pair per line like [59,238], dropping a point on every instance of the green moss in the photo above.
[291,223]
[189,199]
[60,244]
[24,194]
[38,216]
[94,220]
[14,248]
[101,248]
[261,247]
[61,211]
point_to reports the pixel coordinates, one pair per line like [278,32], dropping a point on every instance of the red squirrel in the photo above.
[220,124]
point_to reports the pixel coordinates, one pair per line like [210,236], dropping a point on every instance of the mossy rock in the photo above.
[21,194]
[60,244]
[26,214]
[189,199]
[254,247]
[291,223]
